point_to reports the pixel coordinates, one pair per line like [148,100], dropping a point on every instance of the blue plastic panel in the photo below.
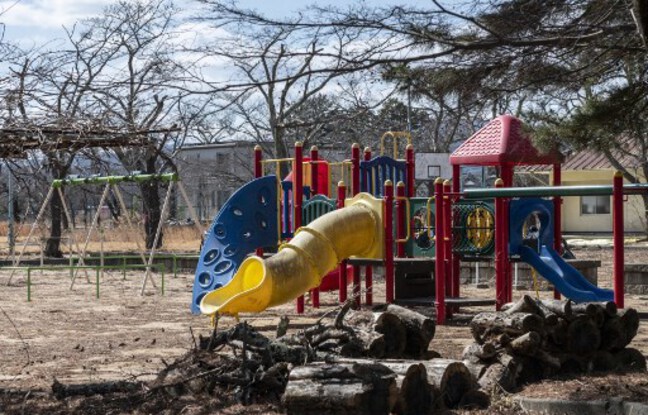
[519,211]
[247,221]
[375,172]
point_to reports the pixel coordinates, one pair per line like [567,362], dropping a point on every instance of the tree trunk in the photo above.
[59,167]
[151,205]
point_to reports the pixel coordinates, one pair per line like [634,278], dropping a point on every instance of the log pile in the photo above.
[533,339]
[371,362]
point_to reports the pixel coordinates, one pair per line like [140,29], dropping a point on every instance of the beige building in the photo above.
[592,214]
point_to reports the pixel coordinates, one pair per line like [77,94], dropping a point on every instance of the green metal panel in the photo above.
[421,242]
[549,191]
[315,207]
[473,229]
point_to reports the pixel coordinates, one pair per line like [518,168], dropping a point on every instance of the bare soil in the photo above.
[74,337]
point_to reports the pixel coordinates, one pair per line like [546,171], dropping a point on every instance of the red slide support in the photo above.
[439,265]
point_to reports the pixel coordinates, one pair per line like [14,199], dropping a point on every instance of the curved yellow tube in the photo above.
[316,249]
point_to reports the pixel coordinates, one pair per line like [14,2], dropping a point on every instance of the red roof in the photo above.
[501,141]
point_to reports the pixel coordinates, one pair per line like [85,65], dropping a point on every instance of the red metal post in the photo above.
[455,262]
[258,172]
[355,169]
[342,280]
[368,268]
[500,231]
[439,268]
[411,170]
[507,175]
[617,227]
[314,156]
[401,230]
[389,240]
[557,204]
[298,189]
[447,240]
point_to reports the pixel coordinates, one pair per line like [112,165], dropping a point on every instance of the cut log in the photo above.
[341,388]
[419,329]
[613,334]
[452,379]
[525,304]
[394,333]
[527,344]
[61,391]
[364,344]
[559,307]
[512,324]
[415,394]
[630,359]
[476,369]
[630,322]
[531,370]
[594,310]
[476,353]
[583,336]
[557,334]
[500,375]
[610,308]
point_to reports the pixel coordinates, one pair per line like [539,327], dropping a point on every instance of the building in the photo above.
[593,214]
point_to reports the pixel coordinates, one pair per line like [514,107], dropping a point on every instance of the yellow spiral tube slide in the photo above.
[315,250]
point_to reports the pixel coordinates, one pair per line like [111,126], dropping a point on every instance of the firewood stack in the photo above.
[533,339]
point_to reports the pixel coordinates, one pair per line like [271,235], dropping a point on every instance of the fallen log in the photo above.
[451,378]
[341,388]
[61,391]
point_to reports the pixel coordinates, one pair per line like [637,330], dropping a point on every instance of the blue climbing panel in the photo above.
[247,221]
[375,172]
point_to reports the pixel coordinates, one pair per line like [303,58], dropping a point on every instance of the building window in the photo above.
[433,172]
[595,205]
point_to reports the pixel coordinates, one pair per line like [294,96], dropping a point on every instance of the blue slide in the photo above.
[563,276]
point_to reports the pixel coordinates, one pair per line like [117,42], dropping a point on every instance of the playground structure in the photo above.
[78,255]
[373,224]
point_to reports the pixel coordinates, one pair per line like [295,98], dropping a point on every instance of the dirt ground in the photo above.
[72,336]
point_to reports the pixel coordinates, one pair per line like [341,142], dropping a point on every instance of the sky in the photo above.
[31,23]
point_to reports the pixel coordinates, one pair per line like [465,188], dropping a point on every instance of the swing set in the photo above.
[109,183]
